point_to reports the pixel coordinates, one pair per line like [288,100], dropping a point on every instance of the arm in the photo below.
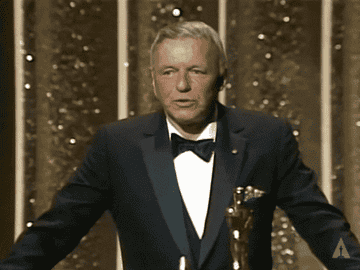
[75,210]
[319,223]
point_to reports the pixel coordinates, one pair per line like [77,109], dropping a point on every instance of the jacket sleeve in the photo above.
[320,224]
[75,209]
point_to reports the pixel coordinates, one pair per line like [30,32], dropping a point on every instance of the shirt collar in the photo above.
[208,133]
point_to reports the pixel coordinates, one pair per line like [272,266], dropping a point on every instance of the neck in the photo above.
[192,131]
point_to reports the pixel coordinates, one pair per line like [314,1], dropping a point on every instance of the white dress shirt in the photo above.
[194,177]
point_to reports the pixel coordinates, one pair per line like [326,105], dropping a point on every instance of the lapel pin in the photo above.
[234,151]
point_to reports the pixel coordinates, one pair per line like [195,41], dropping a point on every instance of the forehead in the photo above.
[185,50]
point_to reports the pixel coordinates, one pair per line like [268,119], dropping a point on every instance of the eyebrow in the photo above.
[170,66]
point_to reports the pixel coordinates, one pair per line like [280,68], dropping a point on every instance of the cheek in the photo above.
[204,89]
[163,89]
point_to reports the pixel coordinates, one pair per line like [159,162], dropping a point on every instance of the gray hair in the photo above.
[191,29]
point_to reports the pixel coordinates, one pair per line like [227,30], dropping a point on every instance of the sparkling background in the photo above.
[337,105]
[70,87]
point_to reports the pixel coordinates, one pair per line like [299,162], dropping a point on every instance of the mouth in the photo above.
[184,103]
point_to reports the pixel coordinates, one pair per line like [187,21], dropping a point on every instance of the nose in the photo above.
[183,84]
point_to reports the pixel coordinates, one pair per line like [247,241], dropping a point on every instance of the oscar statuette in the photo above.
[184,264]
[239,219]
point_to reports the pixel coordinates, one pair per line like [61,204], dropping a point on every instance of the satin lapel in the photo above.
[159,162]
[229,154]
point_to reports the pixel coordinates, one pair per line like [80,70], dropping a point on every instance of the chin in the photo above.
[186,119]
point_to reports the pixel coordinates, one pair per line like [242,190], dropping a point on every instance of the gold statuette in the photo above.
[184,264]
[240,221]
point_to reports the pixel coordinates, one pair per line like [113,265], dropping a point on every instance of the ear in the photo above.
[220,82]
[153,80]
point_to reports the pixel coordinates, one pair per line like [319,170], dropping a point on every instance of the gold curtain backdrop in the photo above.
[70,88]
[274,53]
[351,117]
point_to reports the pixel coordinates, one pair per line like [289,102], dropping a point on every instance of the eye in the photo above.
[168,72]
[197,71]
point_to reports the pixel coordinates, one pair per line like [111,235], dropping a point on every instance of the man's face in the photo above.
[185,74]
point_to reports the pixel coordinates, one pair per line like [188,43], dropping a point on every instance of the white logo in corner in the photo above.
[341,251]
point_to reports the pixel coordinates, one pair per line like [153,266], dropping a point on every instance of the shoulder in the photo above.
[131,126]
[131,122]
[257,126]
[255,119]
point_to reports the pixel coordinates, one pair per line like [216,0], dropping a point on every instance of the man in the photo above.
[169,202]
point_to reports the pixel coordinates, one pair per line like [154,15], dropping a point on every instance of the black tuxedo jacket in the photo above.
[129,170]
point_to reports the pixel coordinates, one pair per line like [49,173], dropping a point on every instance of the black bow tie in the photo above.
[202,148]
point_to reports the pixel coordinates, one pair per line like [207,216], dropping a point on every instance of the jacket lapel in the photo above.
[229,155]
[159,162]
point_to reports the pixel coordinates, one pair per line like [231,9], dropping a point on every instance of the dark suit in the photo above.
[129,170]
